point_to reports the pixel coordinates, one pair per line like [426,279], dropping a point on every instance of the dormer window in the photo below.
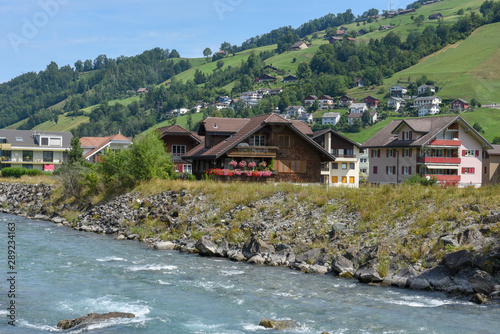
[407,135]
[258,140]
[50,141]
[19,138]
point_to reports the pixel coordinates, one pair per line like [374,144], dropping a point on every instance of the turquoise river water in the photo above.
[63,274]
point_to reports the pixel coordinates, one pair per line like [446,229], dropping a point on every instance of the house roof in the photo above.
[311,97]
[99,143]
[429,127]
[322,132]
[369,97]
[495,150]
[423,98]
[343,97]
[297,44]
[177,130]
[461,101]
[221,125]
[325,97]
[251,126]
[331,114]
[359,115]
[29,140]
[357,105]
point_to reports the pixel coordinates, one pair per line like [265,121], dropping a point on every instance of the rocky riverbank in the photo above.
[283,230]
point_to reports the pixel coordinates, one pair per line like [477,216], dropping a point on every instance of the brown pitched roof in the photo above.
[222,125]
[495,150]
[98,143]
[322,132]
[429,127]
[252,125]
[177,130]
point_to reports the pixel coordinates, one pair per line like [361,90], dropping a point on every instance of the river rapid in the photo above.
[64,274]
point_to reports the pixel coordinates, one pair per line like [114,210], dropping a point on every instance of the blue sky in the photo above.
[35,32]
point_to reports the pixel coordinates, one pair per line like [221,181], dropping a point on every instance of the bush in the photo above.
[419,179]
[19,171]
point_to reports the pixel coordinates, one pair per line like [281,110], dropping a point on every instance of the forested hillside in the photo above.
[86,89]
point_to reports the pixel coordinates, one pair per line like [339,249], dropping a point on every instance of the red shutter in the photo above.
[411,132]
[472,170]
[463,170]
[410,150]
[477,153]
[387,169]
[464,152]
[375,169]
[181,168]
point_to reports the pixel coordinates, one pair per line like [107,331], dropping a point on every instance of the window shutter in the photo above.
[410,150]
[477,153]
[393,169]
[387,169]
[375,169]
[463,170]
[472,170]
[387,153]
[411,132]
[181,168]
[371,152]
[464,153]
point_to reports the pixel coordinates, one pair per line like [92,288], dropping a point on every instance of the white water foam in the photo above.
[163,282]
[152,267]
[231,272]
[46,328]
[111,259]
[420,301]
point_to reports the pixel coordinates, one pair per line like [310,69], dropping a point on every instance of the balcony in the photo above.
[344,156]
[253,152]
[435,160]
[445,178]
[446,143]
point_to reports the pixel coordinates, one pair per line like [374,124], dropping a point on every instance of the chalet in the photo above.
[330,118]
[446,148]
[295,111]
[359,82]
[95,147]
[491,166]
[396,103]
[325,102]
[275,91]
[406,11]
[340,32]
[142,91]
[310,99]
[266,138]
[290,78]
[357,108]
[345,101]
[423,89]
[386,27]
[436,16]
[43,150]
[298,46]
[352,117]
[343,28]
[334,39]
[266,77]
[178,141]
[460,104]
[371,102]
[270,67]
[398,90]
[344,171]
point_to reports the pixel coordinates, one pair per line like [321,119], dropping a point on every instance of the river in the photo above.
[64,274]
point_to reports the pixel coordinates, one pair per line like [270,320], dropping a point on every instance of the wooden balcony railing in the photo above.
[253,152]
[435,160]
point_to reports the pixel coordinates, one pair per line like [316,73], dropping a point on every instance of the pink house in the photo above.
[371,102]
[445,148]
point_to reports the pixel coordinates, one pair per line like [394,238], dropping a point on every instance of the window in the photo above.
[468,170]
[178,150]
[363,160]
[45,141]
[344,179]
[28,156]
[187,169]
[351,179]
[407,152]
[335,179]
[292,166]
[48,156]
[470,153]
[3,140]
[390,170]
[335,151]
[351,165]
[344,166]
[258,140]
[55,141]
[335,165]
[283,140]
[375,169]
[407,135]
[375,153]
[363,170]
[391,153]
[19,138]
[349,152]
[406,170]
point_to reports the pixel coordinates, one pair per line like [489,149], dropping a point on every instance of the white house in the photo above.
[354,116]
[330,118]
[395,103]
[423,88]
[295,111]
[325,102]
[358,108]
[398,90]
[420,101]
[428,109]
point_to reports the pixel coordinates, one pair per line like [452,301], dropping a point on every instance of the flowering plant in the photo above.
[242,164]
[237,172]
[248,172]
[263,164]
[252,164]
[233,163]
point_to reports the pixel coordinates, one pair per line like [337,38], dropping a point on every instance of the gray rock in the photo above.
[92,318]
[164,245]
[438,278]
[257,259]
[457,260]
[402,278]
[236,255]
[482,282]
[277,324]
[479,298]
[206,246]
[222,249]
[368,273]
[254,246]
[318,269]
[310,256]
[419,283]
[341,265]
[449,240]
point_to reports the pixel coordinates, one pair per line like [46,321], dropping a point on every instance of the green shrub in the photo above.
[19,171]
[419,179]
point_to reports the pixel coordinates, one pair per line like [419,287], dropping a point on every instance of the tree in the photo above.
[365,118]
[225,47]
[75,155]
[174,54]
[419,20]
[220,64]
[304,71]
[207,52]
[478,128]
[496,140]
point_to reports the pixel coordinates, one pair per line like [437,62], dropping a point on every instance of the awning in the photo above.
[441,167]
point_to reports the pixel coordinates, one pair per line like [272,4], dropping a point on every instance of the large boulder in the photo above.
[482,282]
[310,256]
[457,260]
[277,324]
[92,318]
[254,246]
[164,245]
[368,273]
[206,247]
[342,266]
[402,278]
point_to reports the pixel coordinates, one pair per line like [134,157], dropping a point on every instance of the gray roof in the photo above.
[330,114]
[429,127]
[28,138]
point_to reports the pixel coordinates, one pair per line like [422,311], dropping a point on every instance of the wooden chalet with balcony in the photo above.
[178,141]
